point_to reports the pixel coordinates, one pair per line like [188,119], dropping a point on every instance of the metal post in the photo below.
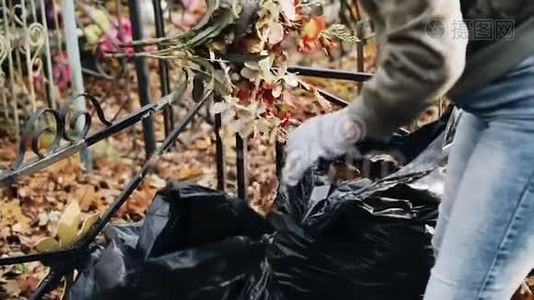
[241,165]
[5,51]
[279,157]
[7,32]
[163,68]
[28,57]
[48,60]
[219,150]
[359,46]
[143,78]
[73,52]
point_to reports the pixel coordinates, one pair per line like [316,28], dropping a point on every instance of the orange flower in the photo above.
[310,33]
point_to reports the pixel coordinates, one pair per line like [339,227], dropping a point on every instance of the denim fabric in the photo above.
[484,238]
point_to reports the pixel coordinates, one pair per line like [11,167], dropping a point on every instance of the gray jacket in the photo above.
[424,49]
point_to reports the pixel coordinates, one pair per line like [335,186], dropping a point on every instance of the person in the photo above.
[481,54]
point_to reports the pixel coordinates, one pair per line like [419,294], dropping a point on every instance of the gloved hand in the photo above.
[326,136]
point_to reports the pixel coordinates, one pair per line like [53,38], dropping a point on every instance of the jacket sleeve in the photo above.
[420,58]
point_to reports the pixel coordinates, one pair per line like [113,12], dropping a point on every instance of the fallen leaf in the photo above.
[86,196]
[87,224]
[201,144]
[155,181]
[67,226]
[188,173]
[47,244]
[28,284]
[11,213]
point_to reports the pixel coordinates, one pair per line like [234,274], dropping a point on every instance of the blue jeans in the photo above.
[484,237]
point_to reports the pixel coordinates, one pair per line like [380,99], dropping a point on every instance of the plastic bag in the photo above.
[363,240]
[356,240]
[194,243]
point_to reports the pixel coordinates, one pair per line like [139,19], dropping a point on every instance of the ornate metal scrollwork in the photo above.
[4,51]
[36,35]
[64,124]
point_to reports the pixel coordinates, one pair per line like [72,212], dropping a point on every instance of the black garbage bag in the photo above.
[360,239]
[194,243]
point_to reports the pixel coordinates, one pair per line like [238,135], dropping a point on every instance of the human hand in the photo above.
[326,136]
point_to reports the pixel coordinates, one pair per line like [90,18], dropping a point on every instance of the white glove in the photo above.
[327,136]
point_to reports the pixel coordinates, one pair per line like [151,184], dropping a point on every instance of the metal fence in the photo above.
[72,130]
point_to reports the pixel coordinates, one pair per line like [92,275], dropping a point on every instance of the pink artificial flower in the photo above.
[105,45]
[61,70]
[192,5]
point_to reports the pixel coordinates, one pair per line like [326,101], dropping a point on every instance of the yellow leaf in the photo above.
[67,227]
[86,196]
[189,172]
[46,245]
[11,213]
[155,181]
[87,224]
[201,144]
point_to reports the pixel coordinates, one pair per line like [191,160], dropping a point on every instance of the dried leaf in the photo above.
[47,244]
[87,224]
[265,68]
[276,33]
[288,9]
[155,181]
[291,80]
[228,116]
[86,196]
[263,125]
[201,144]
[28,284]
[340,32]
[212,5]
[250,74]
[67,227]
[253,45]
[277,90]
[189,173]
[11,213]
[219,107]
[204,35]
